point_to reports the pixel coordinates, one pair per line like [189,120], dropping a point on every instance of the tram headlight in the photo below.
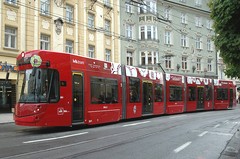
[37,109]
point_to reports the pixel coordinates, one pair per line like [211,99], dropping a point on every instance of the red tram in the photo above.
[199,94]
[224,94]
[60,89]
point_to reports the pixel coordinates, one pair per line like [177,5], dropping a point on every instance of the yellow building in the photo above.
[84,27]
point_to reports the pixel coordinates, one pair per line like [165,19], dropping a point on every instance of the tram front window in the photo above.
[38,85]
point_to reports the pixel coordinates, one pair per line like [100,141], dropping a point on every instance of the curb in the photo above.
[232,150]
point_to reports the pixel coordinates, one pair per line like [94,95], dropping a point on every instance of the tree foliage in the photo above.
[226,18]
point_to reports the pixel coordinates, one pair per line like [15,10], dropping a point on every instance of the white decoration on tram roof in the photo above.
[105,66]
[116,68]
[198,81]
[205,81]
[194,79]
[152,74]
[131,71]
[143,72]
[189,80]
[182,79]
[159,76]
[167,76]
[216,82]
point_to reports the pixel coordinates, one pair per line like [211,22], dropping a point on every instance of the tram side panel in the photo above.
[103,92]
[223,99]
[175,93]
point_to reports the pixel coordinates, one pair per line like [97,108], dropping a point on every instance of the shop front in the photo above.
[8,76]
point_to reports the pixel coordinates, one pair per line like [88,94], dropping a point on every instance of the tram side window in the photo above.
[175,93]
[208,93]
[134,90]
[158,93]
[222,94]
[111,91]
[192,93]
[104,90]
[54,90]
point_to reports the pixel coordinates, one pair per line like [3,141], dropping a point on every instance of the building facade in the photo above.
[173,34]
[84,27]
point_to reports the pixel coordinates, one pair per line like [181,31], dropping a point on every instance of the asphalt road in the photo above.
[201,135]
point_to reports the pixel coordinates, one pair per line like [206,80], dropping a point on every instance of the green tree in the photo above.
[226,18]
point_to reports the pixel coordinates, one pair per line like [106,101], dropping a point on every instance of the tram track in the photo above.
[108,146]
[122,138]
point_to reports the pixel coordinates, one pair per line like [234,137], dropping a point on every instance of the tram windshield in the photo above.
[38,85]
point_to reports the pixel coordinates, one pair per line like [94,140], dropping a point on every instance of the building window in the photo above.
[149,58]
[11,2]
[168,62]
[45,7]
[10,37]
[183,18]
[128,7]
[45,42]
[107,26]
[148,6]
[108,55]
[143,57]
[184,40]
[209,44]
[129,31]
[91,20]
[199,64]
[167,14]
[198,42]
[91,51]
[209,65]
[155,57]
[209,24]
[69,14]
[69,46]
[167,37]
[184,63]
[198,21]
[130,58]
[148,32]
[142,28]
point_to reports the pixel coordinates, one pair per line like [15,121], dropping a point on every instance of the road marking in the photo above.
[218,133]
[203,133]
[216,125]
[182,147]
[134,124]
[178,116]
[226,121]
[54,138]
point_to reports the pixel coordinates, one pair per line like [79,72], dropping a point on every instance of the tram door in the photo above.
[231,99]
[147,98]
[77,109]
[200,97]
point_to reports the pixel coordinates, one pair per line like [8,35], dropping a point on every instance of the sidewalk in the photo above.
[6,118]
[232,150]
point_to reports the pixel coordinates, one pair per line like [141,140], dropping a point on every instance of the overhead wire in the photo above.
[115,35]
